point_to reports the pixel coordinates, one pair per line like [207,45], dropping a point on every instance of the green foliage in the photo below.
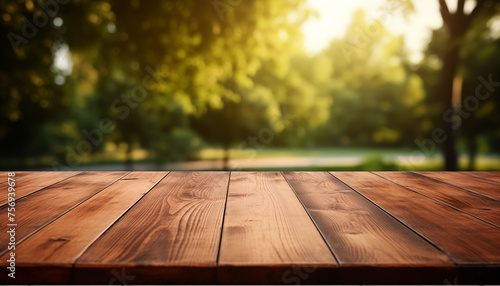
[478,57]
[376,99]
[30,100]
[174,75]
[190,58]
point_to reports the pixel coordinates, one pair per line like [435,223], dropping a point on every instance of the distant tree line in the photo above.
[169,77]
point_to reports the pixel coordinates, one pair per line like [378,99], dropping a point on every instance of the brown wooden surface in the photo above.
[361,235]
[480,206]
[4,175]
[46,205]
[265,225]
[34,182]
[358,232]
[464,238]
[254,227]
[177,224]
[493,176]
[471,183]
[58,245]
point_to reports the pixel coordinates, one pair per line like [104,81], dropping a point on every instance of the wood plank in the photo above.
[358,231]
[3,175]
[452,231]
[487,175]
[267,232]
[477,205]
[40,208]
[173,231]
[34,182]
[362,236]
[48,255]
[478,185]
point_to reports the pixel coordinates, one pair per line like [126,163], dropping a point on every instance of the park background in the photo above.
[250,85]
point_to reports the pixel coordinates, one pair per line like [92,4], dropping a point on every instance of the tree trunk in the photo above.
[225,160]
[457,25]
[472,146]
[450,64]
[128,157]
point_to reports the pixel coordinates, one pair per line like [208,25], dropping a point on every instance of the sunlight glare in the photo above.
[335,16]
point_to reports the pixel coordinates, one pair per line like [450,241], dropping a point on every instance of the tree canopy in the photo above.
[83,79]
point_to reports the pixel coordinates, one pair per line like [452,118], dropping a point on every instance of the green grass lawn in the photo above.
[373,159]
[366,159]
[264,153]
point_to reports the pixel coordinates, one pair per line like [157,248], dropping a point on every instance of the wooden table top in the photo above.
[252,228]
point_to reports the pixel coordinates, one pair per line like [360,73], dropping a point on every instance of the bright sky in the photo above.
[335,16]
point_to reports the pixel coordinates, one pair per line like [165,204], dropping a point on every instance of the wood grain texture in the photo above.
[467,240]
[252,228]
[358,232]
[40,208]
[58,245]
[480,206]
[175,229]
[34,182]
[488,175]
[471,183]
[265,224]
[3,175]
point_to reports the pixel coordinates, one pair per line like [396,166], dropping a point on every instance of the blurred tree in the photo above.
[302,97]
[480,115]
[376,98]
[257,100]
[34,108]
[200,60]
[283,103]
[477,57]
[236,122]
[457,25]
[146,66]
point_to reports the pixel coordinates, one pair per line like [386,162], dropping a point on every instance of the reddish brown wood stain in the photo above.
[254,227]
